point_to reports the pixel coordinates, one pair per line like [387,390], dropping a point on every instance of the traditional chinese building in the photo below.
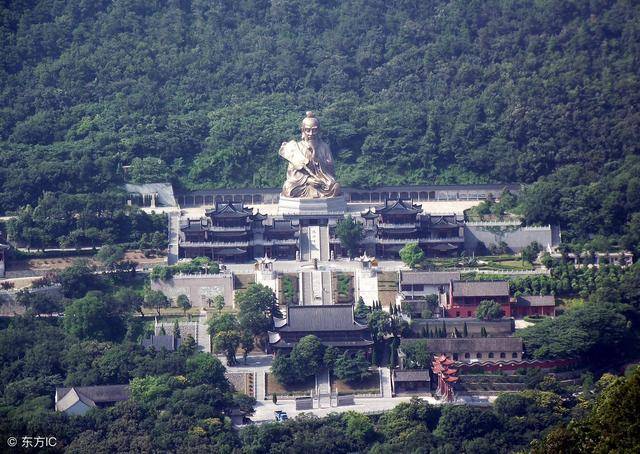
[398,222]
[465,297]
[414,288]
[333,324]
[475,349]
[534,305]
[233,233]
[80,399]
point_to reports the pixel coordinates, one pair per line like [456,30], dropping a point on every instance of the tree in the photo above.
[611,424]
[148,170]
[351,368]
[225,332]
[145,389]
[77,279]
[183,303]
[412,255]
[330,356]
[308,354]
[109,255]
[306,359]
[39,302]
[247,344]
[156,299]
[127,300]
[257,305]
[595,332]
[90,318]
[227,342]
[218,302]
[361,310]
[418,354]
[350,233]
[379,324]
[530,252]
[206,369]
[489,310]
[286,371]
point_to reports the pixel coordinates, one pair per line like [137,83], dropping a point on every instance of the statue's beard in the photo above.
[311,139]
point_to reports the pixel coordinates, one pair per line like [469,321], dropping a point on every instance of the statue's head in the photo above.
[310,126]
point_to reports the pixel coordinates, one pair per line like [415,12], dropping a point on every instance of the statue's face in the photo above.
[310,128]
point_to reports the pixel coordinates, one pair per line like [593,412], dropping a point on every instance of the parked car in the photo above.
[281,415]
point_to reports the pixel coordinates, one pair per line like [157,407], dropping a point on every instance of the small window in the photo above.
[479,355]
[457,313]
[468,313]
[467,355]
[514,355]
[491,355]
[455,357]
[503,355]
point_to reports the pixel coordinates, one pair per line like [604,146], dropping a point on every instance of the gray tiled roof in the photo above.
[428,277]
[335,317]
[472,344]
[542,300]
[481,288]
[106,393]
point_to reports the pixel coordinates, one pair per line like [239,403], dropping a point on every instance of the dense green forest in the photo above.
[407,91]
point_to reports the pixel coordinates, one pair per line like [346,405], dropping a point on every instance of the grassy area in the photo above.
[488,262]
[344,285]
[302,389]
[570,303]
[369,385]
[289,291]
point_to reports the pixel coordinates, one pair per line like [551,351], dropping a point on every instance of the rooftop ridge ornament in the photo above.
[310,173]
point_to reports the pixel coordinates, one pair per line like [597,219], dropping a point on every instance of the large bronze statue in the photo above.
[310,174]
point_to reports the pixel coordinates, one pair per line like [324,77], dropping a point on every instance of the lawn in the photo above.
[370,385]
[274,386]
[345,287]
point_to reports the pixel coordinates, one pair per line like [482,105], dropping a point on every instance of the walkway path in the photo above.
[174,228]
[385,379]
[323,389]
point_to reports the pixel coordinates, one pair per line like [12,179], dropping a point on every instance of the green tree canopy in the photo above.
[91,318]
[489,310]
[350,233]
[412,255]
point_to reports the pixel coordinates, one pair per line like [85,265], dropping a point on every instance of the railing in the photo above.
[209,244]
[456,239]
[292,241]
[236,228]
[388,225]
[215,244]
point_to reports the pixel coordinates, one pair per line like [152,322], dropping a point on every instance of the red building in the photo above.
[465,297]
[534,305]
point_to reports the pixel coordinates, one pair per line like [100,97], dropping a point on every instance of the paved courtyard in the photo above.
[265,408]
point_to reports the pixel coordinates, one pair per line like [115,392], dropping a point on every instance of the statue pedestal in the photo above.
[311,207]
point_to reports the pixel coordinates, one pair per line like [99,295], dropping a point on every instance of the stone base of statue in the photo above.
[310,207]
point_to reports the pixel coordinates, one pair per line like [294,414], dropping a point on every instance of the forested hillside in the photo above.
[407,91]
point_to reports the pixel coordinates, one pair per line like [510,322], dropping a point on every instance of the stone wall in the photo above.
[515,236]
